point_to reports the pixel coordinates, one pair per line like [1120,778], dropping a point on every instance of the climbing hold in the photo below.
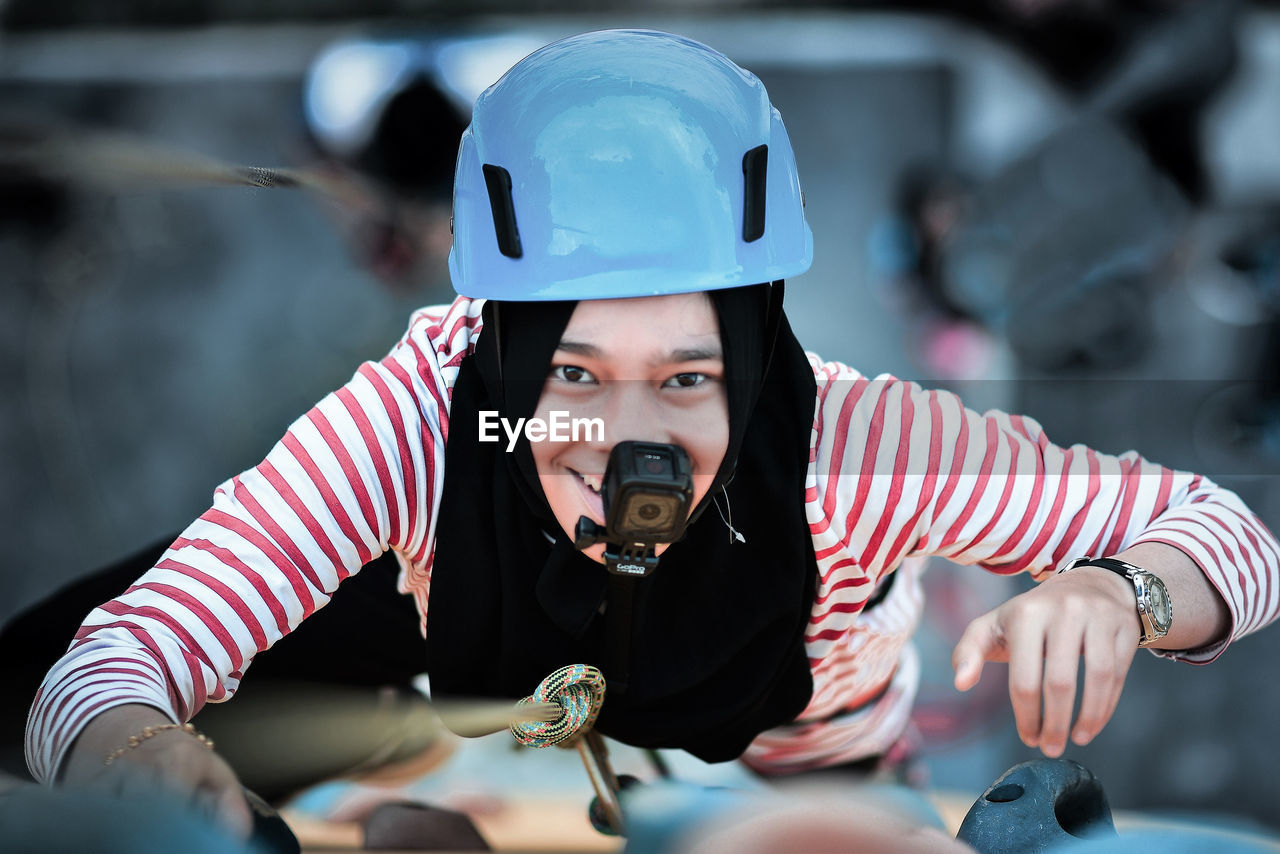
[1036,805]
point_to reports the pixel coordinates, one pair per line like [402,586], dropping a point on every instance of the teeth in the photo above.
[593,481]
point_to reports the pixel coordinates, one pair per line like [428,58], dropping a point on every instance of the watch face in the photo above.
[1161,610]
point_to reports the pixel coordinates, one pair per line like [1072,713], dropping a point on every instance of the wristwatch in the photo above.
[1155,610]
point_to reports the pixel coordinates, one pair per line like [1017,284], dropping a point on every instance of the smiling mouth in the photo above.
[589,489]
[594,482]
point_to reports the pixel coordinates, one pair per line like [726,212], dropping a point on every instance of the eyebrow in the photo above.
[680,354]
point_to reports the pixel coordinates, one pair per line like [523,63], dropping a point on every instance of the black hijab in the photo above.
[716,652]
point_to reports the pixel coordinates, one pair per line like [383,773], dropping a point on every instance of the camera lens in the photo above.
[650,515]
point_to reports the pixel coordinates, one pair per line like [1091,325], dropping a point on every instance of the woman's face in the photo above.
[650,369]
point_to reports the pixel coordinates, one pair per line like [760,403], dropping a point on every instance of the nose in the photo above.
[634,413]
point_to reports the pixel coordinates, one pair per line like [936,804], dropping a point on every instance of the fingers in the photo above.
[1108,656]
[1043,634]
[1014,632]
[982,641]
[1026,670]
[212,787]
[233,811]
[1062,646]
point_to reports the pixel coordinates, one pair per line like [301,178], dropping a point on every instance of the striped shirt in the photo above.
[897,473]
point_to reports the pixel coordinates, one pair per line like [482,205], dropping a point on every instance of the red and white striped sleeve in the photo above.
[356,475]
[900,471]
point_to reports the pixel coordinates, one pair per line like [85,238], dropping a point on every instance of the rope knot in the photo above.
[579,692]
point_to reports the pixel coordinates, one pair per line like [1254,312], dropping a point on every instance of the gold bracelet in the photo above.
[148,732]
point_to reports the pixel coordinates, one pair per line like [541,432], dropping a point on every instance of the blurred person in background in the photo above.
[1151,66]
[376,111]
[1063,249]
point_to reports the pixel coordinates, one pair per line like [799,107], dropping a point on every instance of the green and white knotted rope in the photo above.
[579,692]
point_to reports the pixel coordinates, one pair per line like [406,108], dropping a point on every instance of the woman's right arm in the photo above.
[356,475]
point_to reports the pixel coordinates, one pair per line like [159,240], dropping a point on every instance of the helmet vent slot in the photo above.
[754,171]
[498,180]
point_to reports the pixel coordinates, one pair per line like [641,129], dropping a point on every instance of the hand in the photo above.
[172,760]
[1042,633]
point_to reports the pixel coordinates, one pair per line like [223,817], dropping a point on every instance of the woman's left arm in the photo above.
[911,472]
[1022,503]
[906,472]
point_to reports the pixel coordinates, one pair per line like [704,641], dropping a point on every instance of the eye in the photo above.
[572,374]
[686,380]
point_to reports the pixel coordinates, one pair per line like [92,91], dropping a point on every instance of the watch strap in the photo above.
[1114,564]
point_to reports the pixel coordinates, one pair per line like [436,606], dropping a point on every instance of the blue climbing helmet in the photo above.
[625,163]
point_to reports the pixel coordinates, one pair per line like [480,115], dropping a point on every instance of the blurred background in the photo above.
[1068,208]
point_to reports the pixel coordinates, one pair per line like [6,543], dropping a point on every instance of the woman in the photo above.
[626,208]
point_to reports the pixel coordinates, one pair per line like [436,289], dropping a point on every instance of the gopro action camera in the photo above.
[647,492]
